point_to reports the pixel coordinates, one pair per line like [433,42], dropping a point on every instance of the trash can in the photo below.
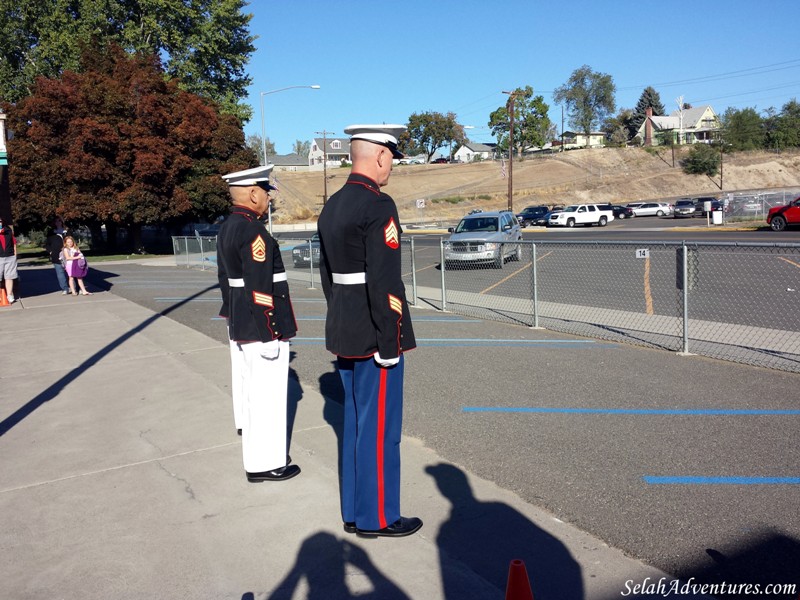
[716,217]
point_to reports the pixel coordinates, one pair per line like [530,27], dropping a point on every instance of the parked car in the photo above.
[306,252]
[487,237]
[781,216]
[650,209]
[683,208]
[530,214]
[439,161]
[544,220]
[622,212]
[700,204]
[581,214]
[634,206]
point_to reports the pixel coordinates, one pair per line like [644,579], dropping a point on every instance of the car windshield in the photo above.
[684,203]
[572,208]
[479,224]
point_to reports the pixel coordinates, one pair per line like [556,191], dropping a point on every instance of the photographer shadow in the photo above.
[486,536]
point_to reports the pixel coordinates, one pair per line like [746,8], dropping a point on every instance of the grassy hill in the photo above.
[617,175]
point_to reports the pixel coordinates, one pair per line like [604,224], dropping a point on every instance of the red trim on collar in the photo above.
[367,182]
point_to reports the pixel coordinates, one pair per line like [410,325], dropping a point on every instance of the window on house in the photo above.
[336,145]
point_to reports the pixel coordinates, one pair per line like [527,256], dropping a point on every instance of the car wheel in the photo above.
[660,213]
[571,223]
[777,223]
[517,254]
[621,216]
[603,221]
[499,261]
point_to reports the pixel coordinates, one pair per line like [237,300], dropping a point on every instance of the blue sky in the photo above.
[382,60]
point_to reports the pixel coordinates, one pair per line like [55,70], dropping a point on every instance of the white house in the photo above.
[334,152]
[289,162]
[686,126]
[575,139]
[472,151]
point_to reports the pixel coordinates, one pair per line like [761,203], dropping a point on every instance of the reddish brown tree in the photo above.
[120,144]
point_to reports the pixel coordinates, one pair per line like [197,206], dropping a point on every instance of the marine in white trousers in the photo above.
[263,412]
[237,382]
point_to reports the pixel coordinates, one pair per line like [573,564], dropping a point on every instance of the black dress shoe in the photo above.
[402,527]
[280,474]
[238,432]
[349,527]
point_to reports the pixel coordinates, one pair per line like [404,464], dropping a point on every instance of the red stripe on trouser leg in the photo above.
[381,424]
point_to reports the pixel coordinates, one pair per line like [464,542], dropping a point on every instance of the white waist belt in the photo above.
[240,282]
[349,278]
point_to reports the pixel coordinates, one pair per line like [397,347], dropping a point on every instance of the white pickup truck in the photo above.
[581,214]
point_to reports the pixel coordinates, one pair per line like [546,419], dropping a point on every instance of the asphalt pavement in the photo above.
[121,473]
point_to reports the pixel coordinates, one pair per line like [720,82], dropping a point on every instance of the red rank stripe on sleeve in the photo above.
[391,235]
[262,299]
[396,304]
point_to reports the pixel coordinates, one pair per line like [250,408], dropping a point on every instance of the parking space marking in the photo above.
[517,272]
[420,270]
[648,296]
[791,262]
[699,480]
[635,411]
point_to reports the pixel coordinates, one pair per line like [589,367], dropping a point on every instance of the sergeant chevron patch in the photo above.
[391,235]
[395,304]
[262,299]
[259,249]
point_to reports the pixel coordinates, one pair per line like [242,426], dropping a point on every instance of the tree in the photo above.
[783,129]
[532,126]
[205,43]
[649,99]
[617,128]
[743,129]
[254,143]
[301,148]
[430,131]
[120,145]
[703,159]
[589,98]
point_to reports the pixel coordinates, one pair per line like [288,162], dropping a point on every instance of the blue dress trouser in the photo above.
[61,274]
[373,420]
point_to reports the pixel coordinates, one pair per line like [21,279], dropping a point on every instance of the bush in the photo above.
[703,159]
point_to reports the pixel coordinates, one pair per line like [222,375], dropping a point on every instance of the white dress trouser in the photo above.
[264,398]
[237,383]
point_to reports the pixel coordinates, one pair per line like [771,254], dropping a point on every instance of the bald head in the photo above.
[240,194]
[250,196]
[372,160]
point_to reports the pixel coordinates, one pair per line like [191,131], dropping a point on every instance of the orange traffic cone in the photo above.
[3,297]
[519,586]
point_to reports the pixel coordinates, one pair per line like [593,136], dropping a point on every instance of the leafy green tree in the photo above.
[205,43]
[617,128]
[253,142]
[703,159]
[430,131]
[649,99]
[589,97]
[301,148]
[783,129]
[743,129]
[532,126]
[120,145]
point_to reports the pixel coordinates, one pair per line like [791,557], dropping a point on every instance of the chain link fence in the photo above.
[195,251]
[737,302]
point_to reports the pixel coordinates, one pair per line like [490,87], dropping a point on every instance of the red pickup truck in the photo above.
[781,216]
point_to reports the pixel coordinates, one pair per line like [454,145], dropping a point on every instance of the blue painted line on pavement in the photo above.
[632,411]
[693,480]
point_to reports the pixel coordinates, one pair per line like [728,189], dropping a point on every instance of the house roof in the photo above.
[692,119]
[477,147]
[288,160]
[344,145]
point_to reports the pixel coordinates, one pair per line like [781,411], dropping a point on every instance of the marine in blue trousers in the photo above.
[368,327]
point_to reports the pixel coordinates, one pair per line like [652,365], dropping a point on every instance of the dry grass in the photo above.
[617,175]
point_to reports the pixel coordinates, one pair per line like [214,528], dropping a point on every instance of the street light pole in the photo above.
[510,105]
[324,133]
[263,130]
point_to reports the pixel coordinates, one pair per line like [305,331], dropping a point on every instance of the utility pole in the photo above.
[510,105]
[324,133]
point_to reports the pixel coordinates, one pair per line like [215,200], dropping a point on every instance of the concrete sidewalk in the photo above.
[122,477]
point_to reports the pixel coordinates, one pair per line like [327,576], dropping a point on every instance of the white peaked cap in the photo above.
[257,176]
[384,135]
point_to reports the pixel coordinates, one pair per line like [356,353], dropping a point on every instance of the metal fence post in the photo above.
[442,268]
[685,267]
[311,263]
[413,274]
[186,239]
[535,287]
[202,253]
